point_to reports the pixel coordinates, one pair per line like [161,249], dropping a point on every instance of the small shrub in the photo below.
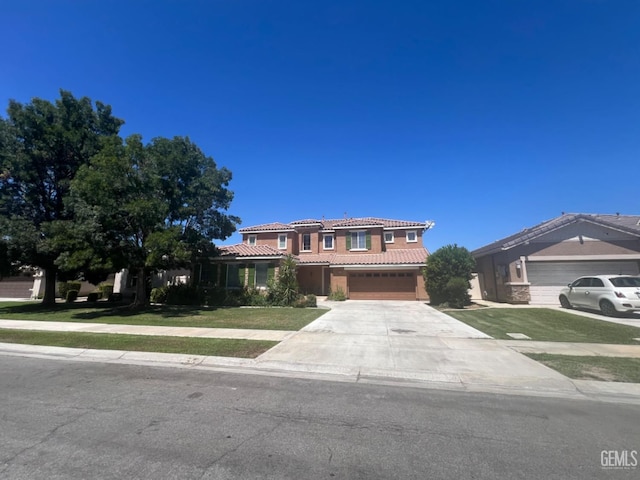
[65,287]
[255,297]
[72,296]
[93,297]
[457,292]
[159,295]
[105,289]
[311,301]
[184,294]
[215,297]
[283,290]
[337,295]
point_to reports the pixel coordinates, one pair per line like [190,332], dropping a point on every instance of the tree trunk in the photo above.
[50,275]
[141,289]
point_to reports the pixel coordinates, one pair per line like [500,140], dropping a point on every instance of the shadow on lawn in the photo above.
[89,311]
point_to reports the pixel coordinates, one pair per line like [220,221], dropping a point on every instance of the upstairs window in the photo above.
[388,237]
[251,241]
[328,242]
[412,236]
[359,240]
[282,241]
[306,242]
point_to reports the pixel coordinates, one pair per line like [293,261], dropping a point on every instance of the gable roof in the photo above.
[625,223]
[336,223]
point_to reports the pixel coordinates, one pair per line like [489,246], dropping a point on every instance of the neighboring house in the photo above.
[368,258]
[533,265]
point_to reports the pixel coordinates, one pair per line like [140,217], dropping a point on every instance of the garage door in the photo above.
[548,278]
[382,286]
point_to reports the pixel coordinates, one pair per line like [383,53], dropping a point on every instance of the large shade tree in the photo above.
[42,146]
[151,207]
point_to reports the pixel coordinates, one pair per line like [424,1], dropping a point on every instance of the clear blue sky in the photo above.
[485,116]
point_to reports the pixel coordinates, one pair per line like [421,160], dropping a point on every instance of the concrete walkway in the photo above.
[397,343]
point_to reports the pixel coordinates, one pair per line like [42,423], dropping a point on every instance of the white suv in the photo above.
[611,294]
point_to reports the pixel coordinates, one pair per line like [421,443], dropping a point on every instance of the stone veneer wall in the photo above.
[517,293]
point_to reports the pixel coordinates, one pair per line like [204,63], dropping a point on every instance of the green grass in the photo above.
[171,316]
[141,343]
[608,369]
[546,325]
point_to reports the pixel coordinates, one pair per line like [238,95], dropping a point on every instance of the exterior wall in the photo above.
[271,239]
[420,287]
[310,279]
[339,280]
[314,241]
[400,239]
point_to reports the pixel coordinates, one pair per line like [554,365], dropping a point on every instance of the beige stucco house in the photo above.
[533,265]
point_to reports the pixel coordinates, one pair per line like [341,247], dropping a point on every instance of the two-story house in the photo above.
[368,258]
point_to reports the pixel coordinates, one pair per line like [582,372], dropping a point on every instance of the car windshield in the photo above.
[625,281]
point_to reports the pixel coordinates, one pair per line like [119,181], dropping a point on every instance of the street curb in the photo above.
[609,392]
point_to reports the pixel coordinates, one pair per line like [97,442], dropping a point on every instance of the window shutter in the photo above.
[271,272]
[368,240]
[348,240]
[252,274]
[241,270]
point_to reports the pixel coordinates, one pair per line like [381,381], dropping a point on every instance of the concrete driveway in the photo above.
[408,340]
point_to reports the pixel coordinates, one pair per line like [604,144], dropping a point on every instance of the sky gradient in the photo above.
[485,117]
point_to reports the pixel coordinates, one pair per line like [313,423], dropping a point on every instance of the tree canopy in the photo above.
[154,206]
[447,275]
[42,145]
[75,197]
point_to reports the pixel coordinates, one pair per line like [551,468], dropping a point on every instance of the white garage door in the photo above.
[548,278]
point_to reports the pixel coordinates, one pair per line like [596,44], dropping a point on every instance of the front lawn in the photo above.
[607,369]
[223,347]
[165,315]
[546,325]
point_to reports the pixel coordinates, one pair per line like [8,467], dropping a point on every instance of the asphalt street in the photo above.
[77,420]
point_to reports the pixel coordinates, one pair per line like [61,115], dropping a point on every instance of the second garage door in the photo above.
[548,278]
[382,286]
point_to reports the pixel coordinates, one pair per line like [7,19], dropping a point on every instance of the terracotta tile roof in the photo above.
[308,258]
[243,250]
[625,223]
[275,226]
[408,256]
[335,223]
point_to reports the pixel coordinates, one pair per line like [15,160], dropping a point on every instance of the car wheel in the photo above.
[564,302]
[608,309]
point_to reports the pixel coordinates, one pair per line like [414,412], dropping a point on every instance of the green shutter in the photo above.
[348,240]
[241,269]
[271,272]
[252,274]
[368,240]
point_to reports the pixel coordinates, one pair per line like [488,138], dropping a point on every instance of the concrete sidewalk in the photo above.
[578,349]
[274,335]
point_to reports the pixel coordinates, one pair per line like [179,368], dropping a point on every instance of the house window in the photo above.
[328,242]
[233,275]
[252,240]
[412,236]
[262,270]
[306,242]
[388,237]
[282,241]
[358,240]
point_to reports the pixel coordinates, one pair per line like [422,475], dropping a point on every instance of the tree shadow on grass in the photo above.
[105,310]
